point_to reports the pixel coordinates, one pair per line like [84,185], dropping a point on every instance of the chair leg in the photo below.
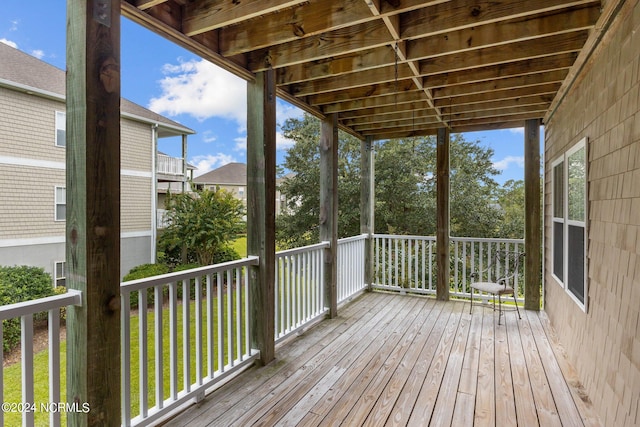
[499,308]
[516,302]
[471,308]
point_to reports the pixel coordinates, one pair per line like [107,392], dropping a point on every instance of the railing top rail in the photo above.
[353,238]
[309,248]
[136,285]
[10,311]
[402,236]
[166,156]
[485,239]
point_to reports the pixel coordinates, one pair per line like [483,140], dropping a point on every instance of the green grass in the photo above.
[240,246]
[12,374]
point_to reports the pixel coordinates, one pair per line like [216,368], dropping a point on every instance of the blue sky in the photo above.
[171,81]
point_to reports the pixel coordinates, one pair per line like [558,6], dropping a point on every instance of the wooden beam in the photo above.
[93,210]
[502,70]
[329,209]
[557,44]
[492,34]
[367,205]
[261,189]
[556,76]
[533,232]
[206,15]
[442,208]
[546,89]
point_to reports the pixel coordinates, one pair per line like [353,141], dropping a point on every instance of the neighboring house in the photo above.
[32,168]
[233,177]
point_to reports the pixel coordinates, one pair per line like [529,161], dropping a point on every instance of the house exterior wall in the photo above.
[31,166]
[603,342]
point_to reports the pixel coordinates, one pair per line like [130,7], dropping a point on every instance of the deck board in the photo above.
[406,360]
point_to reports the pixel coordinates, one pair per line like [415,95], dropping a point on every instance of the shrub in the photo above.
[18,284]
[141,272]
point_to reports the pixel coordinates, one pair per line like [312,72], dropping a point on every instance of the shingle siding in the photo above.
[604,342]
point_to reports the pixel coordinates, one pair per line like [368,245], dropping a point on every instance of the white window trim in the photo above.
[61,123]
[554,219]
[567,222]
[55,272]
[56,203]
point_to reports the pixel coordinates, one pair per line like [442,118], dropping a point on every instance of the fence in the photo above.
[26,311]
[407,263]
[198,333]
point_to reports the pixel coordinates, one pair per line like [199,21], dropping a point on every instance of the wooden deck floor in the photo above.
[404,360]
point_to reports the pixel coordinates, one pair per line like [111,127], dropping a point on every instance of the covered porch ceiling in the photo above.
[394,68]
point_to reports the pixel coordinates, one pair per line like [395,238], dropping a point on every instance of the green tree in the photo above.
[405,187]
[511,201]
[202,224]
[298,225]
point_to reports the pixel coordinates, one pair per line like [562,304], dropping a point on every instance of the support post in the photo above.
[261,202]
[442,223]
[93,210]
[329,209]
[367,201]
[532,228]
[184,164]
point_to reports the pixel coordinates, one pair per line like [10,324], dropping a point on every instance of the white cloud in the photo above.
[282,143]
[9,43]
[208,136]
[508,161]
[203,90]
[286,111]
[519,131]
[209,162]
[38,53]
[14,25]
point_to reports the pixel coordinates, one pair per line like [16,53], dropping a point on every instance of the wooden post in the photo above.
[442,223]
[261,204]
[93,210]
[532,228]
[367,201]
[329,208]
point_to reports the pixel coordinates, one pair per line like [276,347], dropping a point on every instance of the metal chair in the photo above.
[498,278]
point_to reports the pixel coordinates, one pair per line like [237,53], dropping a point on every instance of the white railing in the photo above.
[25,311]
[474,255]
[408,263]
[162,220]
[404,263]
[199,327]
[170,165]
[299,288]
[351,259]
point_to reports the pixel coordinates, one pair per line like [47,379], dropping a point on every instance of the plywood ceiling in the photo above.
[392,68]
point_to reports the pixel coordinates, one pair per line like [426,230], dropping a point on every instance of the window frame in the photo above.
[57,203]
[57,278]
[60,124]
[567,222]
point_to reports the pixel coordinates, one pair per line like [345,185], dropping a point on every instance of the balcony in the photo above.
[394,356]
[169,168]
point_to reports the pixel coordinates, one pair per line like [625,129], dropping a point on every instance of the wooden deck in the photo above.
[404,360]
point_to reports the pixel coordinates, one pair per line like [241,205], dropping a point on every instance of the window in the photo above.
[61,129]
[569,187]
[241,192]
[60,274]
[61,204]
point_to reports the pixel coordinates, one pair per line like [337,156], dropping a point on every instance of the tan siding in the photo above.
[27,208]
[136,145]
[135,203]
[604,343]
[27,126]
